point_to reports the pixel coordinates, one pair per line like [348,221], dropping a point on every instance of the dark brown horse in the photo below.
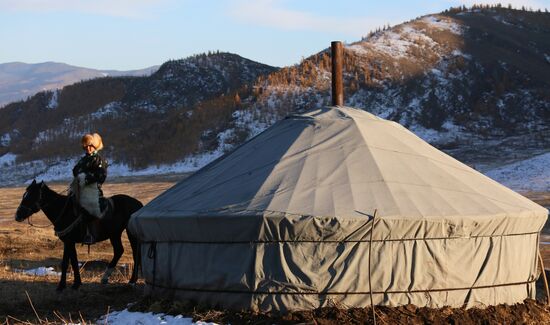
[69,228]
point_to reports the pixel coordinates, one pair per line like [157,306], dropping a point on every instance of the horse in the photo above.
[69,227]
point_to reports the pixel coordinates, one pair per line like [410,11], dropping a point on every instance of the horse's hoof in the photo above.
[75,286]
[106,275]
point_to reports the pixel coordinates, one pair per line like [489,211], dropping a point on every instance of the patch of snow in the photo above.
[109,109]
[530,174]
[146,106]
[358,48]
[500,19]
[40,271]
[459,53]
[391,43]
[126,317]
[445,24]
[436,72]
[5,139]
[449,133]
[52,104]
[42,136]
[449,126]
[396,42]
[188,165]
[60,170]
[428,135]
[245,119]
[223,138]
[7,159]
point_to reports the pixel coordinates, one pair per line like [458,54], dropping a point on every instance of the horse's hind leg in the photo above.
[118,249]
[136,254]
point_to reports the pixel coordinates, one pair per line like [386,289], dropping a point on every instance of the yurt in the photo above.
[335,206]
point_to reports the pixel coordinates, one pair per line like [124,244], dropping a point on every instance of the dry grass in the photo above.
[30,299]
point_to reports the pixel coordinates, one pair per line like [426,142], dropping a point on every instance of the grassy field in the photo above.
[32,299]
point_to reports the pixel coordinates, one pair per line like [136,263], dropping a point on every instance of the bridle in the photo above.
[39,205]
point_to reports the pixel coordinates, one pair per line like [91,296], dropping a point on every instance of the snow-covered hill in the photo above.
[472,82]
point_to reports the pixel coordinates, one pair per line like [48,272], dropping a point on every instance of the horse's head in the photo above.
[30,203]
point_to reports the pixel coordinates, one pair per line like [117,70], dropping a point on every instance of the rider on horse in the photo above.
[89,174]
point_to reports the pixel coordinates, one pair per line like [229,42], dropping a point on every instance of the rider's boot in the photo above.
[87,218]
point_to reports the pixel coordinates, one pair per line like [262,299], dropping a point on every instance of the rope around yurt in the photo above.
[370,255]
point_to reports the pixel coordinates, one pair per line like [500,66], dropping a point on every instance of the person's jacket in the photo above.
[94,167]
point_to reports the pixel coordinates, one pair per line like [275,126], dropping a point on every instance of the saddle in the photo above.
[93,226]
[88,197]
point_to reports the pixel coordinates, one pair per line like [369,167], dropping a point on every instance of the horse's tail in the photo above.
[136,254]
[133,206]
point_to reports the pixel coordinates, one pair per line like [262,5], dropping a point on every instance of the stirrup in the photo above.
[88,238]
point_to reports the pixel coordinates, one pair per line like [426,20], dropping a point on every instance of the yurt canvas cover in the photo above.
[284,222]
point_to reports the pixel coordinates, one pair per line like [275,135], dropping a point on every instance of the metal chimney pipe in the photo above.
[337,83]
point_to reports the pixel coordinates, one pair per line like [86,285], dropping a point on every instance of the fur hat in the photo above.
[92,140]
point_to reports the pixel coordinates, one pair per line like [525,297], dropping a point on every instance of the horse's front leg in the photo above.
[74,264]
[64,265]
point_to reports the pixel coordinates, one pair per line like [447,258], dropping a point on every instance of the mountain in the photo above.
[21,80]
[473,82]
[177,111]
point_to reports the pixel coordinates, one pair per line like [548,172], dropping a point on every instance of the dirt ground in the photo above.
[32,299]
[529,312]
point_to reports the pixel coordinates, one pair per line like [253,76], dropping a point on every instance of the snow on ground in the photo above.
[5,139]
[440,23]
[188,165]
[126,317]
[109,109]
[52,104]
[395,44]
[450,132]
[460,53]
[40,271]
[398,42]
[532,174]
[7,159]
[59,170]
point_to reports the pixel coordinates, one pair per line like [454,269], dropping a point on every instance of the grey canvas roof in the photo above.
[340,162]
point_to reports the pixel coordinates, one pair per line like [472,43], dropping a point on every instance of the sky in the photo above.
[134,34]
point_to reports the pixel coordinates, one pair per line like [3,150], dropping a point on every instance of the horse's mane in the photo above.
[53,192]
